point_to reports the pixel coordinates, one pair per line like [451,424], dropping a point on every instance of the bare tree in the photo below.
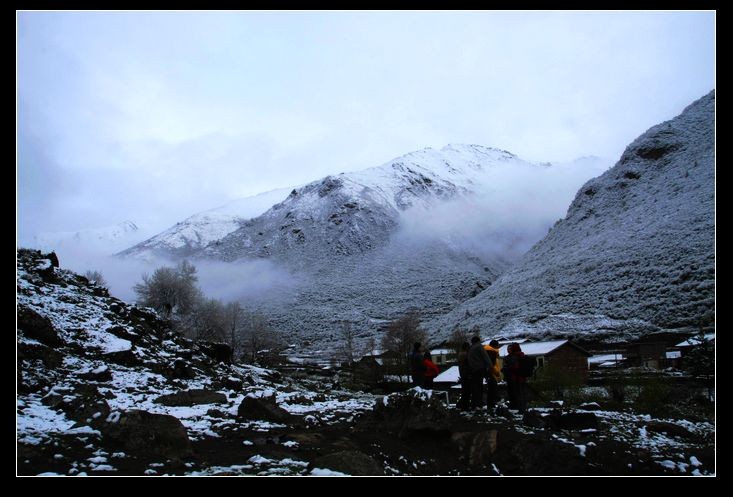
[458,337]
[347,349]
[401,335]
[96,277]
[170,290]
[234,319]
[258,338]
[206,321]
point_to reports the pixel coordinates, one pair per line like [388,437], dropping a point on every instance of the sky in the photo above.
[155,116]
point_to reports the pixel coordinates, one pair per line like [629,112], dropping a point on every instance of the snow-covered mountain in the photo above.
[191,235]
[366,246]
[107,239]
[634,254]
[341,215]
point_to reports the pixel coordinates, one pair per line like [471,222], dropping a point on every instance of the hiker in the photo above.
[417,366]
[516,383]
[479,363]
[431,370]
[494,376]
[464,378]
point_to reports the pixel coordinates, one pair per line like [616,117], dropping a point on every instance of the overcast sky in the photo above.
[153,117]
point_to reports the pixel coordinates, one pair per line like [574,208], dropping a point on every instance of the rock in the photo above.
[232,383]
[408,412]
[571,421]
[476,448]
[350,462]
[180,370]
[145,434]
[220,352]
[191,397]
[37,327]
[534,419]
[84,404]
[123,357]
[124,333]
[51,358]
[101,375]
[668,428]
[263,408]
[53,258]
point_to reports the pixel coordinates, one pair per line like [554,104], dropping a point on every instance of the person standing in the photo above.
[479,363]
[516,383]
[494,376]
[417,366]
[464,373]
[431,370]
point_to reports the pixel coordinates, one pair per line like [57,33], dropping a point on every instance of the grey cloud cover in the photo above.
[153,116]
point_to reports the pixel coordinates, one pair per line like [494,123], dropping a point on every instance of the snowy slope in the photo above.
[634,254]
[194,233]
[107,239]
[89,363]
[352,213]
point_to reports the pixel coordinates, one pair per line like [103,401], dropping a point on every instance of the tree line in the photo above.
[173,292]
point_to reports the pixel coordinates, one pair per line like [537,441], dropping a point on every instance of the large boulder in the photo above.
[37,327]
[180,370]
[475,448]
[263,408]
[220,352]
[415,410]
[350,462]
[191,397]
[83,403]
[145,434]
[572,421]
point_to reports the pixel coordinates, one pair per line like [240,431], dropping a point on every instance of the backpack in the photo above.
[527,365]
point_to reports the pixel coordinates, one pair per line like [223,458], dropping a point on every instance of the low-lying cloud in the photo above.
[241,281]
[503,220]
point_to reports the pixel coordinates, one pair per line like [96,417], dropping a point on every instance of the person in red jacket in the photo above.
[431,370]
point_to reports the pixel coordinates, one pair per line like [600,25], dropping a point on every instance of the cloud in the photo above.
[242,281]
[153,116]
[508,216]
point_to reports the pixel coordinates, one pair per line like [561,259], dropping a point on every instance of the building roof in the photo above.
[694,340]
[442,351]
[540,348]
[598,359]
[503,341]
[375,352]
[450,375]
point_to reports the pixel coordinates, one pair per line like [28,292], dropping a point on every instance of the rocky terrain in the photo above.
[106,388]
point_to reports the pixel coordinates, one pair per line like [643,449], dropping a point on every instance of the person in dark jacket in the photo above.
[516,384]
[431,370]
[479,363]
[417,366]
[464,373]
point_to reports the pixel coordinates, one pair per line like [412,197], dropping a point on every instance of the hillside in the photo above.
[635,253]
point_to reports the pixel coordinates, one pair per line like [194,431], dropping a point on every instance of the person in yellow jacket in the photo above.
[494,376]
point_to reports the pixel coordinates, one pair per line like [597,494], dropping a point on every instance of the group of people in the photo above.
[480,369]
